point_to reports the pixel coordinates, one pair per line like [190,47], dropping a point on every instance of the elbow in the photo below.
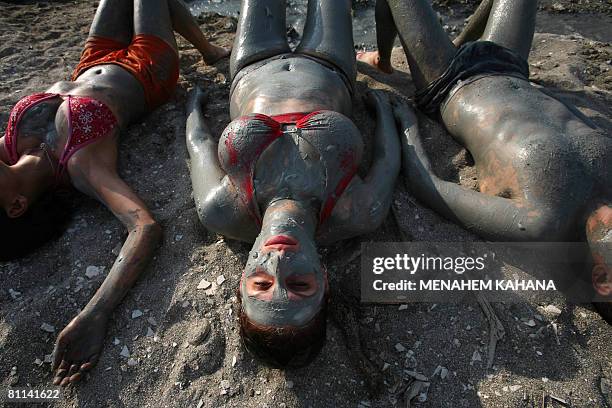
[210,215]
[150,230]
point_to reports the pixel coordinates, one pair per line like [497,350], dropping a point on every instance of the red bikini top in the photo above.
[334,136]
[88,121]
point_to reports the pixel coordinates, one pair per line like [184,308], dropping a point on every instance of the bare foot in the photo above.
[78,347]
[373,59]
[214,53]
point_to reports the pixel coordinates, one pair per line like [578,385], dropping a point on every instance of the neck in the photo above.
[291,218]
[34,174]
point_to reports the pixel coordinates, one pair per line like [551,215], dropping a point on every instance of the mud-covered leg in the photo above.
[328,34]
[186,25]
[113,20]
[262,33]
[512,24]
[476,24]
[152,17]
[386,32]
[428,48]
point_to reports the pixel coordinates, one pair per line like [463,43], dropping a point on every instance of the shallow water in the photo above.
[363,25]
[587,25]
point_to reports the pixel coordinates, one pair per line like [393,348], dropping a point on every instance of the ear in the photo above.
[602,281]
[18,207]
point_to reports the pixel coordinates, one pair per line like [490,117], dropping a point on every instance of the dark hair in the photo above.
[45,219]
[284,347]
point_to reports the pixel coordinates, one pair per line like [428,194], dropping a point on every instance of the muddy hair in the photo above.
[45,220]
[284,347]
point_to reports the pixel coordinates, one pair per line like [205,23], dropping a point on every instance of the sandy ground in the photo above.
[184,351]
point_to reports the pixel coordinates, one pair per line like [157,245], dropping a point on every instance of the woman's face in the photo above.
[284,282]
[283,265]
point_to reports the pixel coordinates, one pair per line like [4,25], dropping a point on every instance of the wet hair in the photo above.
[284,347]
[46,219]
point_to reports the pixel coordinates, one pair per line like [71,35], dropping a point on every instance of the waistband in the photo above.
[256,65]
[471,60]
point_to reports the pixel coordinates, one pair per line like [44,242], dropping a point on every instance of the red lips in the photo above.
[281,242]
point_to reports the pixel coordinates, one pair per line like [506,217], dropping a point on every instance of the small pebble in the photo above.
[530,323]
[204,284]
[92,271]
[47,328]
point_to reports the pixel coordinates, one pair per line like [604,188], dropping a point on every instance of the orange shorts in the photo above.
[149,58]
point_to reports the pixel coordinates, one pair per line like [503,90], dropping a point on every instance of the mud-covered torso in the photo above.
[291,83]
[528,145]
[312,162]
[111,85]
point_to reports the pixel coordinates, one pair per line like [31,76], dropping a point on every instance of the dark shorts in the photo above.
[472,59]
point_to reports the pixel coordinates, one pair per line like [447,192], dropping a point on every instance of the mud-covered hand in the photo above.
[78,347]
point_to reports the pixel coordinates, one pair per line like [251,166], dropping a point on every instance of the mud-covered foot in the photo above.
[78,348]
[372,58]
[213,53]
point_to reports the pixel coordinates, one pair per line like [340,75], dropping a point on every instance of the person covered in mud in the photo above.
[544,170]
[68,136]
[283,174]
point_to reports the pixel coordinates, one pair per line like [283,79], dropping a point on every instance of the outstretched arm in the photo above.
[365,204]
[219,207]
[78,346]
[492,217]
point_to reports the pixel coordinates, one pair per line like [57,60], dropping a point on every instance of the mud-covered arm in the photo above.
[219,207]
[79,344]
[491,217]
[144,236]
[365,203]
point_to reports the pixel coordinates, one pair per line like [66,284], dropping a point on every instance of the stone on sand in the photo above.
[92,271]
[47,328]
